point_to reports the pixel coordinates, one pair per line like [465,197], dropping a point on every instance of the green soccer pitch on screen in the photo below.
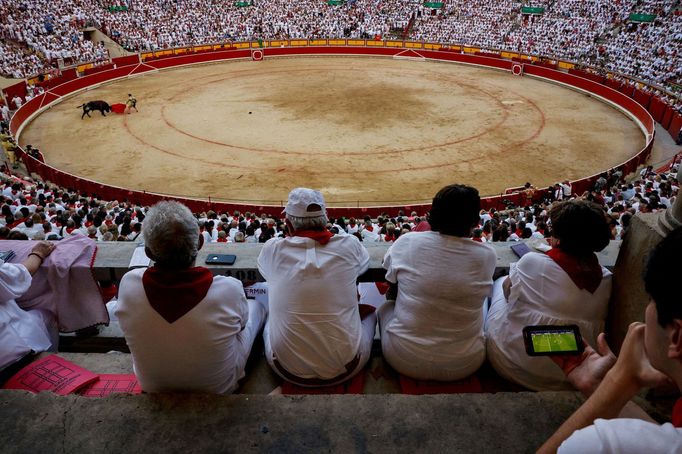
[552,340]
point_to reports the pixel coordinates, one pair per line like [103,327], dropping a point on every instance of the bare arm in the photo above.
[37,255]
[606,402]
[631,372]
[506,287]
[634,411]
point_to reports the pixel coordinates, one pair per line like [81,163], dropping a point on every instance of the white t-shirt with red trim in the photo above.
[198,351]
[542,293]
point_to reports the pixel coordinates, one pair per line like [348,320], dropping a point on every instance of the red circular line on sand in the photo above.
[543,121]
[355,171]
[505,114]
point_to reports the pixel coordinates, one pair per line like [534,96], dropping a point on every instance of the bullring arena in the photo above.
[364,131]
[378,104]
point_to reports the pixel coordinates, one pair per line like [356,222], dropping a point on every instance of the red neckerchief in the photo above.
[389,237]
[677,413]
[366,310]
[478,239]
[370,228]
[221,240]
[585,275]
[382,287]
[321,236]
[174,293]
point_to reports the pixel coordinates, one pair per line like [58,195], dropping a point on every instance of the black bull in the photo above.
[88,107]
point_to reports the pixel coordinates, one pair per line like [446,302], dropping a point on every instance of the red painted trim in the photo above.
[667,116]
[675,125]
[657,108]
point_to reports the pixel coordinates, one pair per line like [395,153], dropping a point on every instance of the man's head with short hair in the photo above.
[171,235]
[662,271]
[663,315]
[306,210]
[580,226]
[17,235]
[454,210]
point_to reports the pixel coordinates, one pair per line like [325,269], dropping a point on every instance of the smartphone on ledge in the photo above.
[220,259]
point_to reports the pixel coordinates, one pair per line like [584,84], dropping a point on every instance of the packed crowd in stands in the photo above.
[149,26]
[598,34]
[35,34]
[647,52]
[38,210]
[594,33]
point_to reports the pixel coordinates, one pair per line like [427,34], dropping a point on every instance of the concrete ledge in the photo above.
[516,422]
[113,259]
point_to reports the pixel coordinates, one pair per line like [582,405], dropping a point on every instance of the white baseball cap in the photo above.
[305,203]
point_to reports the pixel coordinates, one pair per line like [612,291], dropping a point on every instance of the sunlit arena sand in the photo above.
[364,131]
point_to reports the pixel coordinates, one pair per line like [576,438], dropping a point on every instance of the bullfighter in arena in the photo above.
[131,102]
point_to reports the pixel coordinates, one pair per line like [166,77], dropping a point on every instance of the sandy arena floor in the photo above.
[362,130]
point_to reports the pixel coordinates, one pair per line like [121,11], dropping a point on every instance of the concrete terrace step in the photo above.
[504,422]
[380,378]
[380,420]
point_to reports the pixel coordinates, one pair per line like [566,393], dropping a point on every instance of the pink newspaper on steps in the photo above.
[112,384]
[52,373]
[56,374]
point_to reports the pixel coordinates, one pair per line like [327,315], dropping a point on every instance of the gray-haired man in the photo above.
[187,330]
